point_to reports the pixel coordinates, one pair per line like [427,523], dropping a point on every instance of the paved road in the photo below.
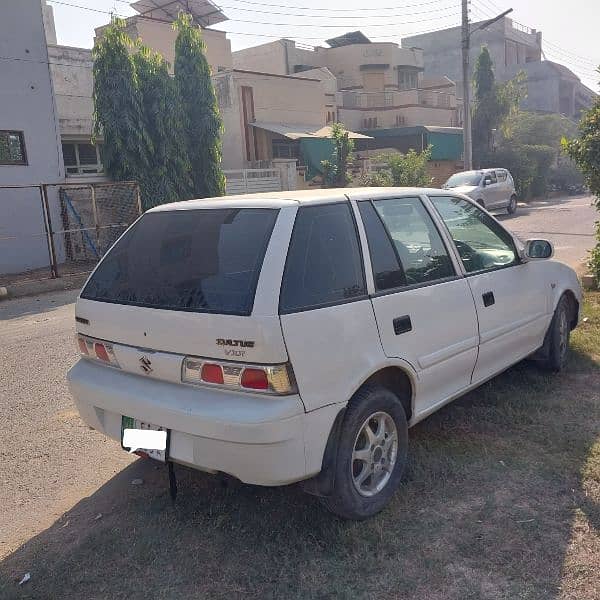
[49,460]
[567,222]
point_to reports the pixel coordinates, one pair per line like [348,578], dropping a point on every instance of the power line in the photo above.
[310,8]
[311,25]
[322,16]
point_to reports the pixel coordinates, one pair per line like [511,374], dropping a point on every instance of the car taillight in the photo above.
[97,349]
[269,379]
[211,373]
[255,379]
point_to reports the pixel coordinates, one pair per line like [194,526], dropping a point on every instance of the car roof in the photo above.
[295,198]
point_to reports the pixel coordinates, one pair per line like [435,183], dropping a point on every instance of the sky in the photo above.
[569,28]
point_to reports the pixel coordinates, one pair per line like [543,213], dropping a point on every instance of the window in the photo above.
[12,148]
[400,120]
[286,149]
[387,272]
[324,264]
[481,242]
[205,260]
[407,79]
[416,241]
[82,159]
[370,123]
[491,175]
[501,176]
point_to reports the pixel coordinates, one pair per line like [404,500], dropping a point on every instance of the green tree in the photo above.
[335,171]
[203,125]
[118,108]
[402,170]
[169,175]
[585,151]
[493,103]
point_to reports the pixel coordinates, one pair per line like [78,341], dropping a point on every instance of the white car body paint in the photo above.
[454,345]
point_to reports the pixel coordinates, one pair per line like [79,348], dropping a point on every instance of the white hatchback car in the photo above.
[296,336]
[494,189]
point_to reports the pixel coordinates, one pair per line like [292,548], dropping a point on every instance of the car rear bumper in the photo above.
[258,439]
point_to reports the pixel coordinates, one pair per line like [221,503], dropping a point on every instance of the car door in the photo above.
[424,309]
[491,191]
[512,297]
[503,189]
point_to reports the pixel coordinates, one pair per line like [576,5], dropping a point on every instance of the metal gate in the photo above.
[61,229]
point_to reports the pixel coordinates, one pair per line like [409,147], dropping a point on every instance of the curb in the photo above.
[42,286]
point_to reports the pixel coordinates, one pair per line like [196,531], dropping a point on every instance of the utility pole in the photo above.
[466,74]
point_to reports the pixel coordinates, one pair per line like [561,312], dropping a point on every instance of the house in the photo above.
[30,151]
[552,87]
[377,84]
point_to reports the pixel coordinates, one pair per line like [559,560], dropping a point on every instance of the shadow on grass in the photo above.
[485,511]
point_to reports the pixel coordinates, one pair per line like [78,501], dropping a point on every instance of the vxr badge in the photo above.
[145,365]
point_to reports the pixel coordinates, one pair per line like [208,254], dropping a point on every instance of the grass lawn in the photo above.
[501,500]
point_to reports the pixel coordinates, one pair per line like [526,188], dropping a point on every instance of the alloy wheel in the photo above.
[374,454]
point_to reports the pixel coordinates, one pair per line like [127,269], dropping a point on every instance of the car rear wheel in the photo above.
[559,335]
[512,205]
[371,454]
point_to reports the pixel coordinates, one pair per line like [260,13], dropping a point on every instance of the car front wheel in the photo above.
[512,205]
[371,454]
[559,335]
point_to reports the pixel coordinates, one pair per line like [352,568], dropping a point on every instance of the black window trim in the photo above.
[518,261]
[236,313]
[409,286]
[20,163]
[365,296]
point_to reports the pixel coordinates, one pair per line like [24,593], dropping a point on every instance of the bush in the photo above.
[401,170]
[529,165]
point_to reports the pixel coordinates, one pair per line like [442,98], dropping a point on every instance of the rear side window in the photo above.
[387,272]
[191,260]
[324,264]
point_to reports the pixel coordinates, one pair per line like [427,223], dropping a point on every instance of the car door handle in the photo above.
[402,324]
[488,299]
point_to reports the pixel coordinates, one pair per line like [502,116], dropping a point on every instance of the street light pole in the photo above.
[466,75]
[466,45]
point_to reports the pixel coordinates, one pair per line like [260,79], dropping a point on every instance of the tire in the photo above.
[481,203]
[356,496]
[512,205]
[558,336]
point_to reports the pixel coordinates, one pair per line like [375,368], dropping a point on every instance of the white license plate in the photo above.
[140,436]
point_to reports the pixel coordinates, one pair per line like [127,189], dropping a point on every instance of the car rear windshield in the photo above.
[205,260]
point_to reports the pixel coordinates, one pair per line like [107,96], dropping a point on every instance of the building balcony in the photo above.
[395,99]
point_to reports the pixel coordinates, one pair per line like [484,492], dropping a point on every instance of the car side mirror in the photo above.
[539,249]
[487,180]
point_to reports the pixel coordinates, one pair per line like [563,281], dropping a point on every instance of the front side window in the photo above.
[12,148]
[416,242]
[324,264]
[205,260]
[481,242]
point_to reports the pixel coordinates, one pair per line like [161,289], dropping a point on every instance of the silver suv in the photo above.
[494,189]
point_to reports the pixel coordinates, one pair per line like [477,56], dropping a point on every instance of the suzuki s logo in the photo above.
[145,365]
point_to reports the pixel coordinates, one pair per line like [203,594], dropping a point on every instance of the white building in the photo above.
[30,150]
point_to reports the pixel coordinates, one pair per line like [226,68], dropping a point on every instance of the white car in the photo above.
[296,336]
[494,189]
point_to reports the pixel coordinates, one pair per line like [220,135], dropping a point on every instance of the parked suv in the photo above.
[298,335]
[494,189]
